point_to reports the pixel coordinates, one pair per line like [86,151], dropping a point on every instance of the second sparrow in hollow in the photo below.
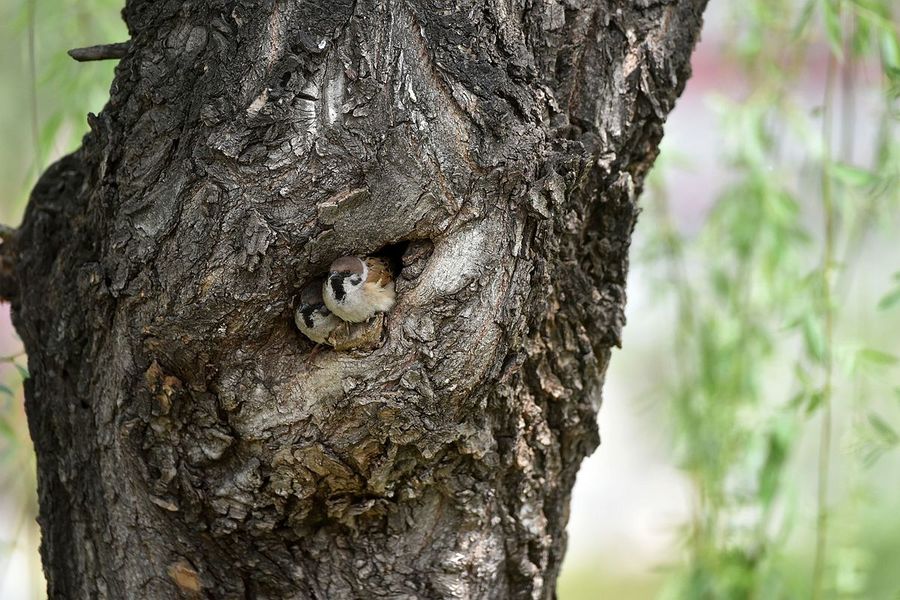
[312,316]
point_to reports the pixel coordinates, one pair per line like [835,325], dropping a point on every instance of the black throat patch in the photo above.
[337,287]
[306,312]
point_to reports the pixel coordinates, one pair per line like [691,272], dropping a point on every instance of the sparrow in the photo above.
[357,288]
[312,316]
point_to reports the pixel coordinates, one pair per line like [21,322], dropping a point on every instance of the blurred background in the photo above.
[751,421]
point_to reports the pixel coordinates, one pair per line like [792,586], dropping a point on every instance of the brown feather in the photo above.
[379,271]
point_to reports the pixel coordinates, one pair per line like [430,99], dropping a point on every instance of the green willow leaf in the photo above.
[22,371]
[832,16]
[890,300]
[885,432]
[890,49]
[853,176]
[803,21]
[815,400]
[813,337]
[877,357]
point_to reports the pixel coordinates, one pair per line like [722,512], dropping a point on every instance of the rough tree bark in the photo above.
[187,444]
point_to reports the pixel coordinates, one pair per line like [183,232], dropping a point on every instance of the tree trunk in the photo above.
[188,443]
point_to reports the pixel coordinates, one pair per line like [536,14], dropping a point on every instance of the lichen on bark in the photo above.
[187,443]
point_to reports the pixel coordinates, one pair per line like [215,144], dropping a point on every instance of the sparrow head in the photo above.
[346,274]
[312,294]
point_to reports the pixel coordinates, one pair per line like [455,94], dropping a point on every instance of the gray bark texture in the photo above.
[189,443]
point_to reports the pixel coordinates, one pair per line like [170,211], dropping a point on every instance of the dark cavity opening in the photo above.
[393,253]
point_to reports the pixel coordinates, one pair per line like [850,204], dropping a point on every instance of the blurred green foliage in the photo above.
[46,95]
[761,294]
[785,369]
